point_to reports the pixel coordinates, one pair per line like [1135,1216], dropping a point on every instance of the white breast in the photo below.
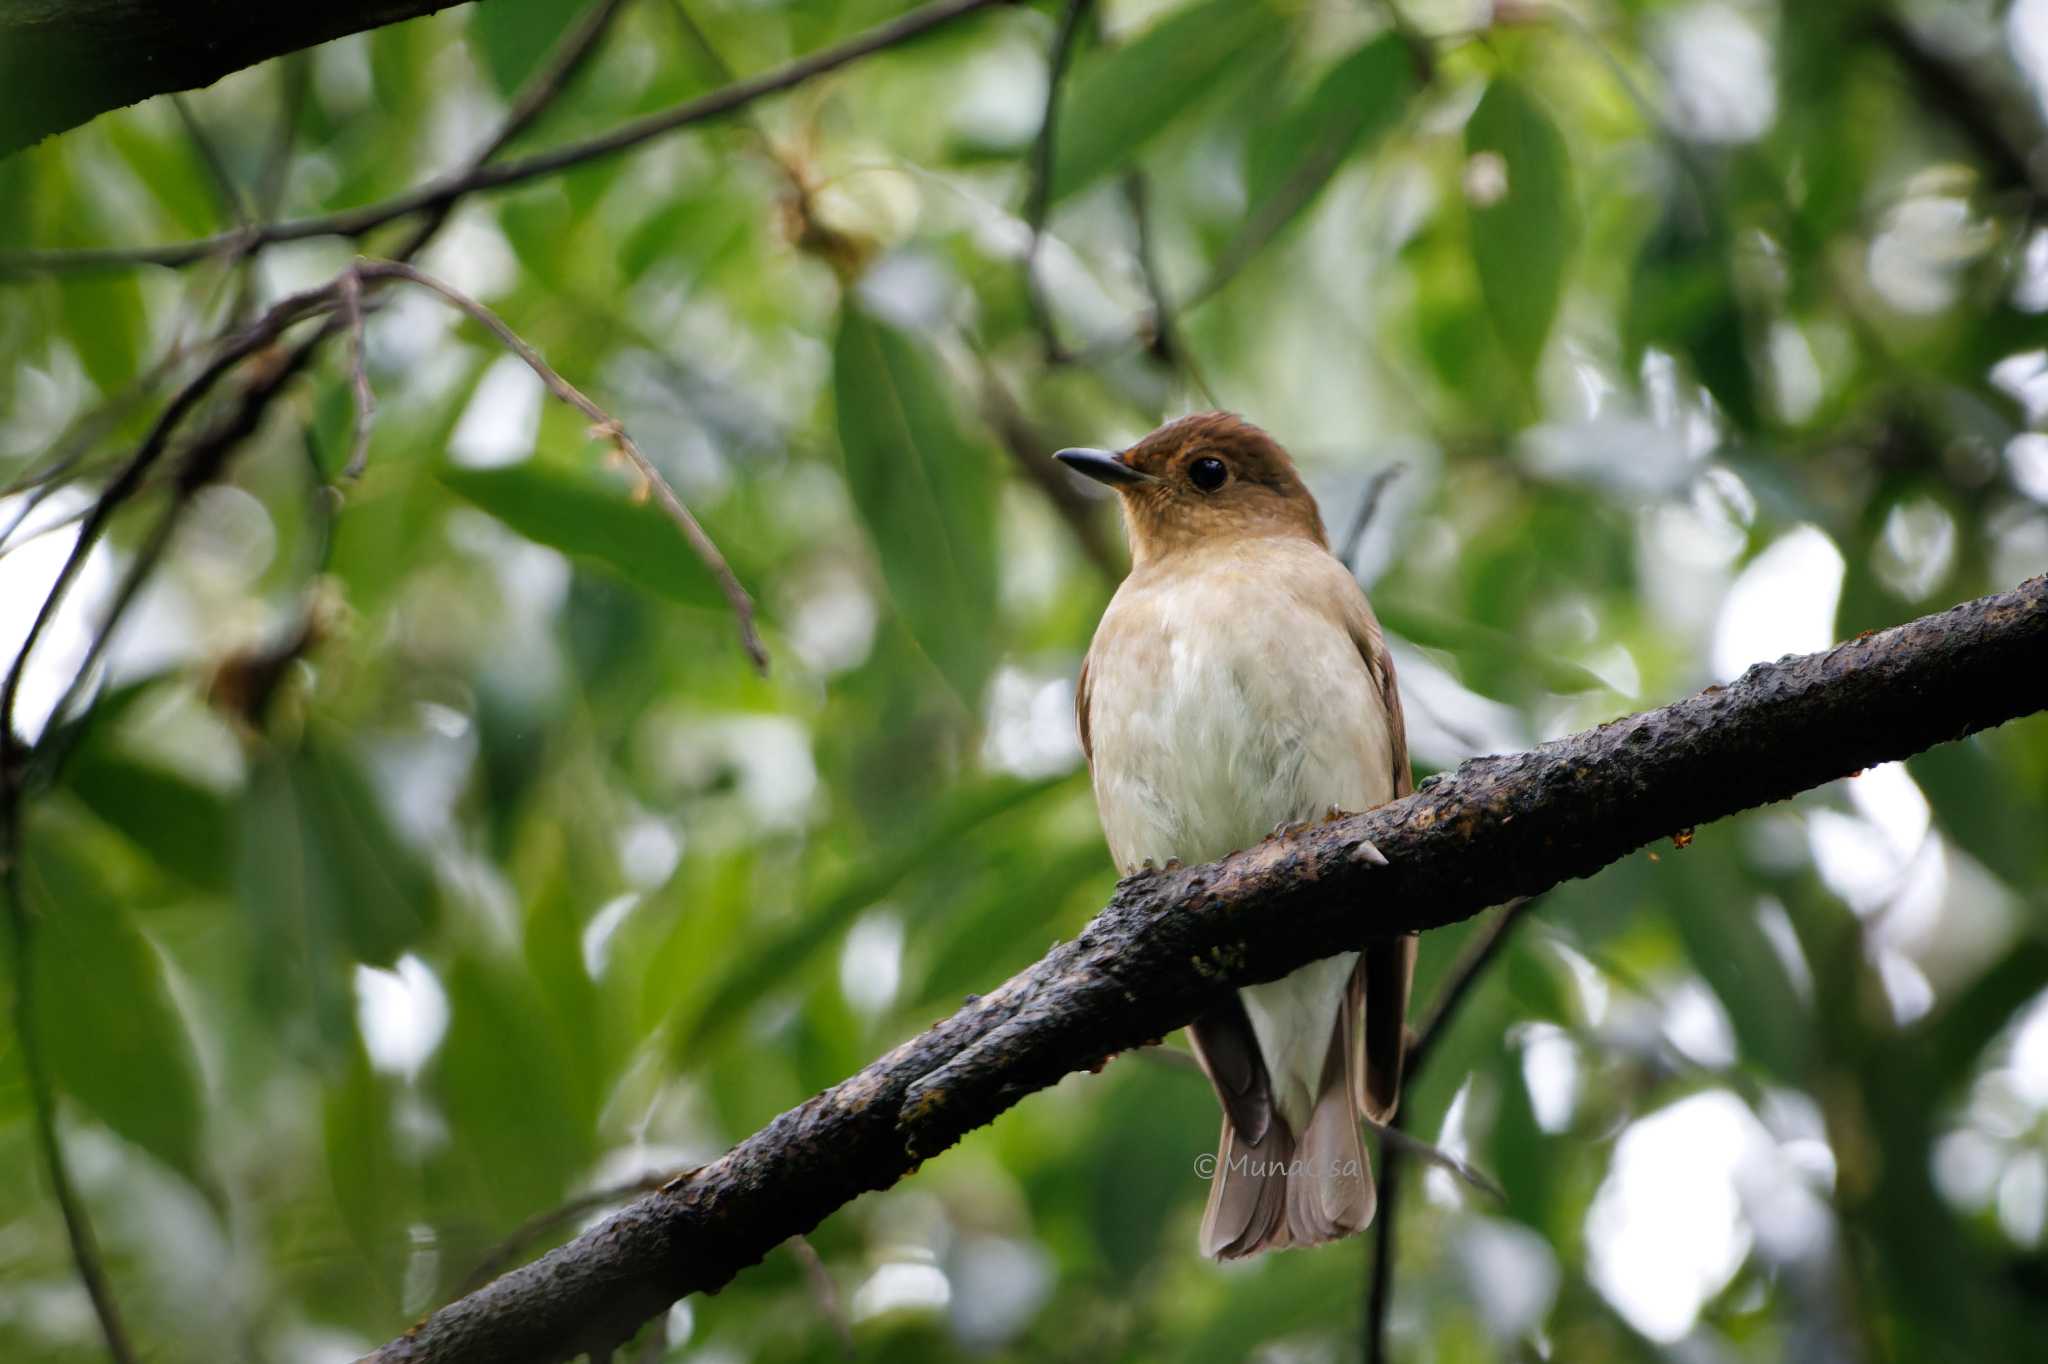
[1216,715]
[1220,709]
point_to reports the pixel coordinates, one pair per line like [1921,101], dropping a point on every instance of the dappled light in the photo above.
[557,635]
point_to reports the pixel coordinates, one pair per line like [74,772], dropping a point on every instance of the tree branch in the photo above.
[1172,942]
[63,62]
[435,195]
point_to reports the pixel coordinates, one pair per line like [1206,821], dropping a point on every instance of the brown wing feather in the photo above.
[1229,1052]
[1081,713]
[1386,970]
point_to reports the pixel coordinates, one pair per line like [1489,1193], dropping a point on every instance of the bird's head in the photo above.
[1206,478]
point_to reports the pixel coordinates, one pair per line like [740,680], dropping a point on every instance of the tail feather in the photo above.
[1247,1210]
[1329,1186]
[1280,1191]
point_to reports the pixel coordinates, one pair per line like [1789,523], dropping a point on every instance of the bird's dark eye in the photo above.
[1207,474]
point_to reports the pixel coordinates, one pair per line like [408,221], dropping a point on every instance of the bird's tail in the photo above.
[1279,1191]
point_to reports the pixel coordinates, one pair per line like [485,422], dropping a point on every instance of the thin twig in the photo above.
[1368,507]
[436,195]
[1030,452]
[1167,344]
[295,74]
[85,1253]
[823,1291]
[231,351]
[500,1257]
[359,376]
[1038,197]
[224,186]
[129,479]
[1394,1134]
[1379,1282]
[203,462]
[1478,953]
[604,426]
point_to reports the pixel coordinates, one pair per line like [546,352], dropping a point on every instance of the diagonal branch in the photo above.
[603,425]
[434,196]
[1171,942]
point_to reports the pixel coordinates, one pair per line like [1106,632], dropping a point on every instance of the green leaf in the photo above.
[1523,239]
[502,1078]
[365,1172]
[925,488]
[1291,158]
[325,882]
[103,320]
[768,965]
[1988,807]
[595,523]
[513,36]
[1119,102]
[1682,296]
[184,826]
[111,1032]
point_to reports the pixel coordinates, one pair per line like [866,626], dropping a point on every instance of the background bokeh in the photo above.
[433,857]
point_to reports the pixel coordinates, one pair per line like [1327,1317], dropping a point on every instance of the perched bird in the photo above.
[1237,683]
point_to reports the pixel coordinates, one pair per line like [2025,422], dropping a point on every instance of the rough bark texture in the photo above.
[64,61]
[1172,940]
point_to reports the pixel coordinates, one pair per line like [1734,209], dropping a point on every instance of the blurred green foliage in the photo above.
[1704,330]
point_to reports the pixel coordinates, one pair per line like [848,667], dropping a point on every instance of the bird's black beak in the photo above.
[1103,466]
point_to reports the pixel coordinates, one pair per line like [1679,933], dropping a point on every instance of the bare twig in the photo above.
[1478,953]
[203,462]
[359,376]
[85,1253]
[1368,507]
[224,186]
[1394,1134]
[605,427]
[295,74]
[436,195]
[1167,344]
[1028,451]
[130,478]
[823,1291]
[507,1252]
[1379,1283]
[1038,198]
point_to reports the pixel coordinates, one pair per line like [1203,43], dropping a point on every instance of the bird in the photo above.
[1239,684]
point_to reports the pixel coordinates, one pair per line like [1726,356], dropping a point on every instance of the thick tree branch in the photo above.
[1172,941]
[64,61]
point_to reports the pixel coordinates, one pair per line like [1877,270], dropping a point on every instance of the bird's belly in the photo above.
[1209,749]
[1205,741]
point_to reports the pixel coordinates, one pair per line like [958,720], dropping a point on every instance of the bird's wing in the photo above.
[1386,970]
[1081,713]
[1229,1052]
